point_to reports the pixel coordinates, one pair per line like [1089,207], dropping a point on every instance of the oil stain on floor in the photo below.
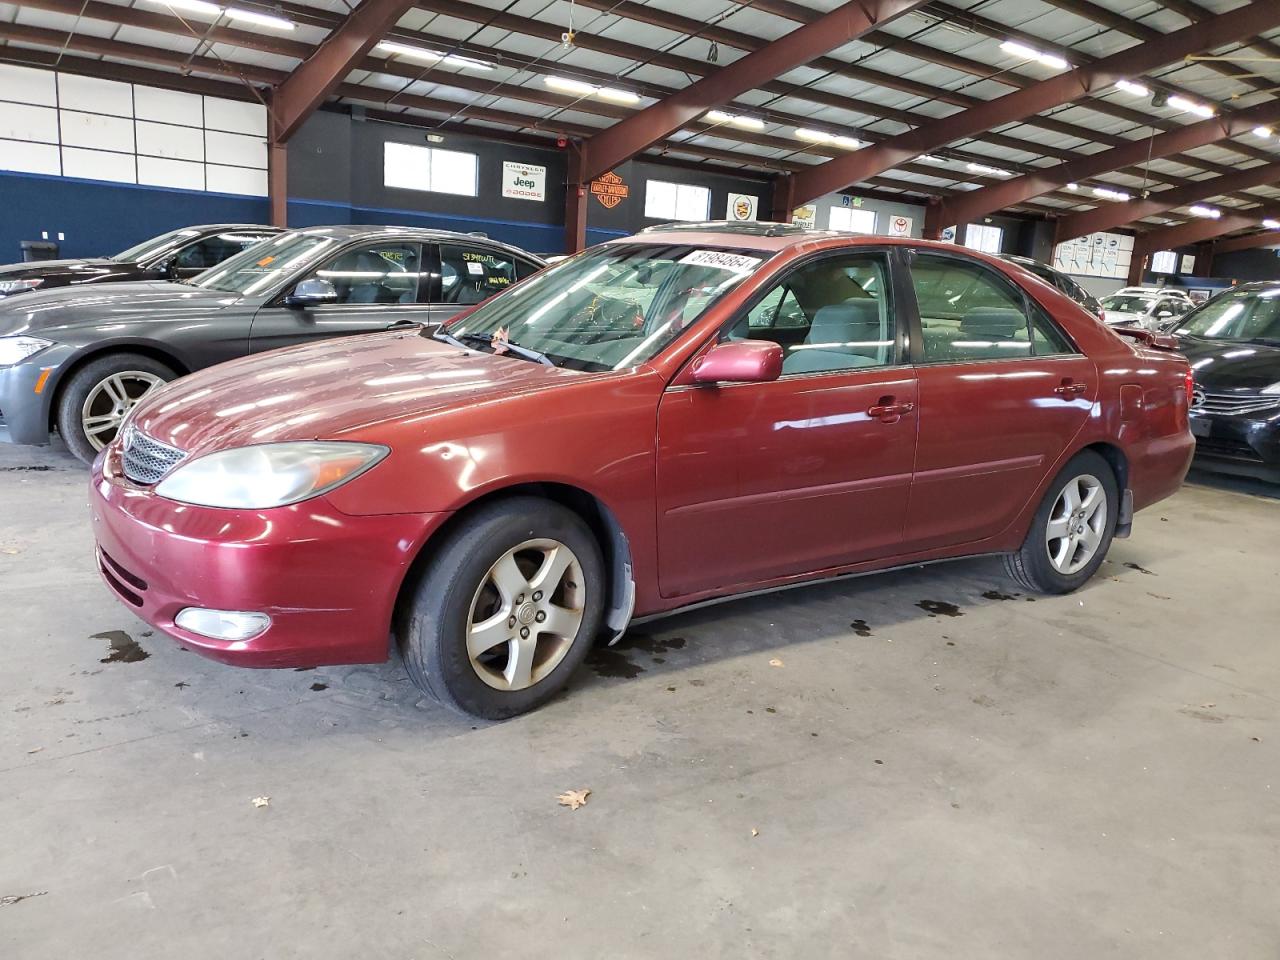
[860,628]
[614,663]
[939,608]
[124,649]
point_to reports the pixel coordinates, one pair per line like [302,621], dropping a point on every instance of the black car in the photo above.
[79,359]
[176,255]
[1058,279]
[1233,343]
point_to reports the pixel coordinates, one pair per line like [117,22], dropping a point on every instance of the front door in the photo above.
[758,481]
[1002,392]
[468,274]
[380,285]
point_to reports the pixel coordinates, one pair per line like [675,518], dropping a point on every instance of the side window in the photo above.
[1046,339]
[834,314]
[211,251]
[376,273]
[525,268]
[472,274]
[967,312]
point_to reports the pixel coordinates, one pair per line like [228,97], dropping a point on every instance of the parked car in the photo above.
[1058,279]
[176,255]
[78,360]
[1150,308]
[661,421]
[1233,343]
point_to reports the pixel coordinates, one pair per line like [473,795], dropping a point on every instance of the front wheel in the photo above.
[1072,531]
[99,395]
[507,610]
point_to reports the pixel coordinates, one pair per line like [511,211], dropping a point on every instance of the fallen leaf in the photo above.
[755,832]
[261,801]
[10,551]
[573,799]
[8,901]
[1207,706]
[775,662]
[35,749]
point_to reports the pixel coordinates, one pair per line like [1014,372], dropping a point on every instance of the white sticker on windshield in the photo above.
[475,269]
[725,261]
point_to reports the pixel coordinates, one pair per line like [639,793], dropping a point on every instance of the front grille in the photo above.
[109,570]
[1226,449]
[1231,404]
[147,460]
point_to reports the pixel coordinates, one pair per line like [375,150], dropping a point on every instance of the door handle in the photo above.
[1068,387]
[889,411]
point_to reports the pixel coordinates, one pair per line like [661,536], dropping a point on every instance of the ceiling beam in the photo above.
[1045,95]
[965,209]
[1198,231]
[1268,238]
[311,83]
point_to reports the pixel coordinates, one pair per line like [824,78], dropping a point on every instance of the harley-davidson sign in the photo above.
[609,189]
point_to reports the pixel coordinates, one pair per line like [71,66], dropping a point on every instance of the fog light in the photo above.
[222,624]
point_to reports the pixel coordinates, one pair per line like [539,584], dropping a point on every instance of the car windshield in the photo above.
[149,249]
[609,309]
[1127,304]
[258,269]
[1241,315]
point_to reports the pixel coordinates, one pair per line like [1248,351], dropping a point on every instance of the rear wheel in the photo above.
[1072,531]
[100,395]
[507,610]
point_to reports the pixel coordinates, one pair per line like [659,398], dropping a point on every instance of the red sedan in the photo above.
[663,420]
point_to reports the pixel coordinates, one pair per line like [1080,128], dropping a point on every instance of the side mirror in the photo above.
[311,292]
[739,361]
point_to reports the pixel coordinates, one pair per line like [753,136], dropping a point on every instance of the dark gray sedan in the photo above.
[77,360]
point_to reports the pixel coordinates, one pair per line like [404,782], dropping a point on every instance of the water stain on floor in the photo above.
[860,628]
[608,662]
[997,595]
[614,663]
[124,649]
[940,608]
[319,686]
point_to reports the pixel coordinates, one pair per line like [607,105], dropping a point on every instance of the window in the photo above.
[968,313]
[470,275]
[835,314]
[853,219]
[676,201]
[211,251]
[376,273]
[984,238]
[410,167]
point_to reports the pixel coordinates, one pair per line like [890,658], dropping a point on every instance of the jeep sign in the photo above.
[524,181]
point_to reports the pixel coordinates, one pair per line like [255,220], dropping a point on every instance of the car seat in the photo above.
[842,336]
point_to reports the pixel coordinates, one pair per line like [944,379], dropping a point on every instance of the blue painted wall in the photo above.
[103,218]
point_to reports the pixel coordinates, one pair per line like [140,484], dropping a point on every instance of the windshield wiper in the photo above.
[487,340]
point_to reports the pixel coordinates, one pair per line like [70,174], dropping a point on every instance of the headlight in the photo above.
[16,349]
[18,286]
[270,474]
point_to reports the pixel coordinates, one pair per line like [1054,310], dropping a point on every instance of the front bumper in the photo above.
[26,394]
[328,580]
[1248,442]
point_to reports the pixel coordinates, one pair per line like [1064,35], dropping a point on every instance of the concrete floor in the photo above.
[1087,776]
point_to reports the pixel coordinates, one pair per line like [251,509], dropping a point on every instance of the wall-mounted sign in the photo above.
[1164,261]
[899,226]
[524,181]
[1188,263]
[610,190]
[948,235]
[1095,255]
[806,216]
[742,206]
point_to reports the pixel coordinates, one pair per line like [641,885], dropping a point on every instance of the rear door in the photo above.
[1002,392]
[380,284]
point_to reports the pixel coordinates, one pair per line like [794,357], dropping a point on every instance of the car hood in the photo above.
[44,268]
[334,388]
[52,313]
[1122,316]
[1227,366]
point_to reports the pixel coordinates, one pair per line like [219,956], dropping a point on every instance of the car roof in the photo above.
[769,237]
[358,231]
[220,227]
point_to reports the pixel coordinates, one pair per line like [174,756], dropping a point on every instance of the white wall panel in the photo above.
[98,165]
[158,172]
[252,183]
[20,121]
[28,85]
[168,106]
[98,132]
[166,140]
[95,96]
[235,150]
[233,116]
[29,157]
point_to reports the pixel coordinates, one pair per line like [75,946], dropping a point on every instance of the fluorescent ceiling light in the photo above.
[468,63]
[1271,224]
[750,123]
[569,85]
[1209,213]
[617,95]
[1199,109]
[211,10]
[275,21]
[1263,132]
[1073,186]
[1137,89]
[404,50]
[983,168]
[930,158]
[1014,48]
[1109,194]
[821,136]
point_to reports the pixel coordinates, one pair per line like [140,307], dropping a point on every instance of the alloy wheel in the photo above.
[110,401]
[526,614]
[1077,524]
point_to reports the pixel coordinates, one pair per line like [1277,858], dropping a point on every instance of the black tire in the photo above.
[85,381]
[433,627]
[1030,565]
